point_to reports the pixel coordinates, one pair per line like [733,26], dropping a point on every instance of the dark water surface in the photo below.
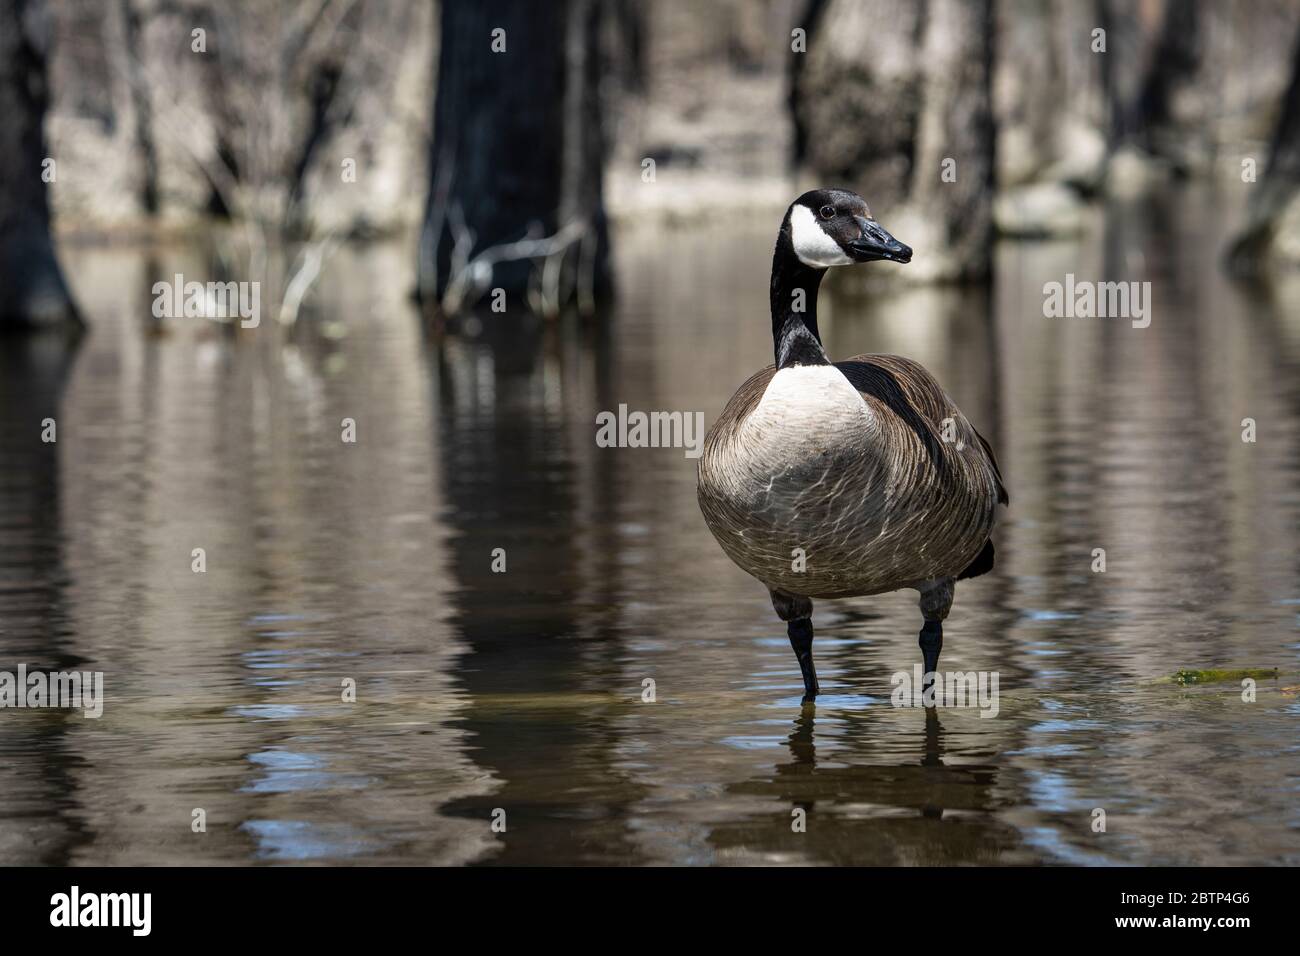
[522,691]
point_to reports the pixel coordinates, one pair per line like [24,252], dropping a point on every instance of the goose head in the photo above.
[834,227]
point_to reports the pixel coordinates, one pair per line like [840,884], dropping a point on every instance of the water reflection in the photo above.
[891,808]
[479,690]
[38,755]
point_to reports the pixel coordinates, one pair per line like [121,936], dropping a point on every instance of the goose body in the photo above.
[847,462]
[858,477]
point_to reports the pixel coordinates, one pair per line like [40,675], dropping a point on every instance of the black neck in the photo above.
[795,339]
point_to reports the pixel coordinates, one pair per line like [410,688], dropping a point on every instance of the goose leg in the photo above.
[936,602]
[796,611]
[931,642]
[801,638]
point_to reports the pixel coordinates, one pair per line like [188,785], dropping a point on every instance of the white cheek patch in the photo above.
[811,244]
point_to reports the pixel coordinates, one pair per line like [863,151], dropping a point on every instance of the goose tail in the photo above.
[982,564]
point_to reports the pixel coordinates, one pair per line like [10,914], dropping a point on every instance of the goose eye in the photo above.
[828,212]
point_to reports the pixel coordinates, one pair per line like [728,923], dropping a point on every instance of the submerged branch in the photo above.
[474,277]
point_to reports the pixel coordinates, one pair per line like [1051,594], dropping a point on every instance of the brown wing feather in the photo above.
[1003,497]
[908,389]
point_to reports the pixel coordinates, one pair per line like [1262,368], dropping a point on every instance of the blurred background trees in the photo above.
[170,112]
[1271,236]
[32,290]
[889,95]
[517,156]
[282,129]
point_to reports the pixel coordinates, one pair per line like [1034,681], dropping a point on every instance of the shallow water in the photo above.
[522,691]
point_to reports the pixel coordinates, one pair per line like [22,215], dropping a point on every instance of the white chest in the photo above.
[808,405]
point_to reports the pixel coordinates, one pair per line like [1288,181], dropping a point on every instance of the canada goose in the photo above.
[851,478]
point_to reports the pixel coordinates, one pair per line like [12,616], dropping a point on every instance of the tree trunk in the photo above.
[1050,109]
[1272,234]
[517,155]
[1188,80]
[32,290]
[888,95]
